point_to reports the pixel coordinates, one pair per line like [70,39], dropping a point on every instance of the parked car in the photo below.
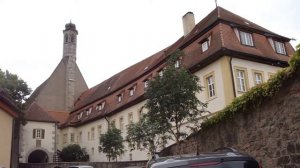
[81,166]
[220,158]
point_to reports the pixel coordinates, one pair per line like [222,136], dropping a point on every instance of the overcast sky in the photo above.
[114,34]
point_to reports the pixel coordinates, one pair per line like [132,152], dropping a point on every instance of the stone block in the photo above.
[291,148]
[284,160]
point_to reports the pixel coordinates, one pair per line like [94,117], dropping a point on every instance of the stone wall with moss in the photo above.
[264,123]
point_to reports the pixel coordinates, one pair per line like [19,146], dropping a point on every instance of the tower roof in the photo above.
[70,26]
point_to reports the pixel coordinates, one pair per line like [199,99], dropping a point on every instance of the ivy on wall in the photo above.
[255,97]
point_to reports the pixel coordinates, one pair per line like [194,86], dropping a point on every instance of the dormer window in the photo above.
[246,38]
[161,73]
[88,111]
[177,64]
[100,106]
[146,83]
[120,97]
[132,90]
[205,44]
[279,47]
[79,115]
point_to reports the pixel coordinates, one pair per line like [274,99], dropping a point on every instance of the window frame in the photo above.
[206,77]
[280,46]
[38,133]
[245,79]
[243,40]
[254,72]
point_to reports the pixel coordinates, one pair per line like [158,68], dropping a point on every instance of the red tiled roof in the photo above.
[60,116]
[219,25]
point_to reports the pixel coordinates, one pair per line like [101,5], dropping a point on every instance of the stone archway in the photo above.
[38,156]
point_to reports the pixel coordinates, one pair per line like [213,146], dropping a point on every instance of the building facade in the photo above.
[227,52]
[10,116]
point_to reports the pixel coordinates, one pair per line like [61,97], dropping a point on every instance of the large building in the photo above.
[228,53]
[10,117]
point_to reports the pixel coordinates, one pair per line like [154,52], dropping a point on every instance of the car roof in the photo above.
[180,160]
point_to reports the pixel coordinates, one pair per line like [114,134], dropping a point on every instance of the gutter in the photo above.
[232,79]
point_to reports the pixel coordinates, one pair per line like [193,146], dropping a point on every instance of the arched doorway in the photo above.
[38,156]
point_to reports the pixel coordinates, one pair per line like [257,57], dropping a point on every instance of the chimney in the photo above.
[188,21]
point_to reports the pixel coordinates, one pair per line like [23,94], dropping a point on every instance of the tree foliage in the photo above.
[72,153]
[111,143]
[16,87]
[143,135]
[172,101]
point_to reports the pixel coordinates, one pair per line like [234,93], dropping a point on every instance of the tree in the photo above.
[143,135]
[16,87]
[172,101]
[73,153]
[111,143]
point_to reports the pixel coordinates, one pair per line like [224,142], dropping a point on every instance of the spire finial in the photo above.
[216,2]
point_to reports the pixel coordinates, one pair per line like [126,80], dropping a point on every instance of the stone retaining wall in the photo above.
[271,134]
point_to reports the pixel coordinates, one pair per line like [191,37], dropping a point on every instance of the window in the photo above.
[130,156]
[120,97]
[132,90]
[121,124]
[65,138]
[246,38]
[210,81]
[89,111]
[204,46]
[258,77]
[79,115]
[161,73]
[38,134]
[100,106]
[66,39]
[130,118]
[279,47]
[241,80]
[89,136]
[72,137]
[72,38]
[177,64]
[146,83]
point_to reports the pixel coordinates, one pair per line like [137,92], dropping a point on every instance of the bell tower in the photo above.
[69,55]
[70,40]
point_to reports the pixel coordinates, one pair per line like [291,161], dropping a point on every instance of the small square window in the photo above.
[160,73]
[146,83]
[258,79]
[132,90]
[79,115]
[120,97]
[246,38]
[100,106]
[204,45]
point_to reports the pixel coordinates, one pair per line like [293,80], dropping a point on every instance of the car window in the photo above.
[241,164]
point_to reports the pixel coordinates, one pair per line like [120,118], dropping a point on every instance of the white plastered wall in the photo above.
[28,144]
